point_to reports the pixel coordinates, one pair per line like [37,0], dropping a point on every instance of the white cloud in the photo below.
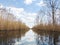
[28,1]
[29,18]
[41,3]
[21,14]
[16,11]
[1,6]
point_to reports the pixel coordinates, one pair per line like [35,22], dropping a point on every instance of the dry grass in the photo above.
[16,27]
[12,25]
[40,28]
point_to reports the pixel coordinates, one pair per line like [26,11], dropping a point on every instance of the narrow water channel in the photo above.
[30,38]
[15,38]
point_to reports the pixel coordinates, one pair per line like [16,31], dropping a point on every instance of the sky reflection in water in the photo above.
[28,39]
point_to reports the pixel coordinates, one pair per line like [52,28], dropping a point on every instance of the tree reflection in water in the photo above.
[12,38]
[30,38]
[51,38]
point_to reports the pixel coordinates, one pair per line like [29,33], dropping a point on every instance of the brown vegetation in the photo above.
[46,28]
[11,25]
[12,28]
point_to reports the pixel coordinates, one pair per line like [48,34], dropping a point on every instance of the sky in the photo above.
[28,5]
[26,10]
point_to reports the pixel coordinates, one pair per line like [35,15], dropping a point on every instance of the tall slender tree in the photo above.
[51,10]
[52,7]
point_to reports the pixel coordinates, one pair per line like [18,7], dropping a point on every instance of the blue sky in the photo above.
[26,10]
[28,5]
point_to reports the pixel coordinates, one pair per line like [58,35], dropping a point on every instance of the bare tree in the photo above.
[51,9]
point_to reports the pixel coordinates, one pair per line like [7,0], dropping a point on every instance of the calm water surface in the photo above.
[30,38]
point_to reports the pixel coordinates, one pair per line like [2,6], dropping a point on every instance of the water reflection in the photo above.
[9,37]
[30,38]
[46,38]
[13,38]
